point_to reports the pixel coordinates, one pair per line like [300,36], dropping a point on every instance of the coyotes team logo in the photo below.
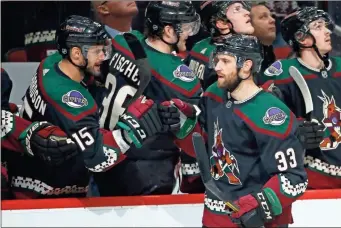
[332,123]
[222,162]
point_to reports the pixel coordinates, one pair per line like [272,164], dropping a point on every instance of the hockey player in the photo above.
[308,32]
[255,155]
[168,25]
[45,142]
[220,18]
[59,95]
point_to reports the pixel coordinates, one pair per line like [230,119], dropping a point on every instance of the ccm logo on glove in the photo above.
[135,124]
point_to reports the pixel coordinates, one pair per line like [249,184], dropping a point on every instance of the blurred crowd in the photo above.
[29,35]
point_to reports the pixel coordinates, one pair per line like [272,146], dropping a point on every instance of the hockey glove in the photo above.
[170,117]
[188,116]
[47,142]
[257,209]
[310,133]
[140,122]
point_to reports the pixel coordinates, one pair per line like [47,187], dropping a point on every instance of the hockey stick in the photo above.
[302,85]
[141,62]
[204,167]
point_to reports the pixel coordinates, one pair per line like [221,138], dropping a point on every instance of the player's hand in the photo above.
[140,122]
[170,117]
[257,209]
[188,116]
[47,142]
[310,133]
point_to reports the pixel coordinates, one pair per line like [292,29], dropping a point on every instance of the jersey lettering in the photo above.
[125,66]
[35,100]
[197,68]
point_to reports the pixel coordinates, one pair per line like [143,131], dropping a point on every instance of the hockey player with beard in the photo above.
[308,32]
[220,19]
[255,155]
[59,95]
[168,25]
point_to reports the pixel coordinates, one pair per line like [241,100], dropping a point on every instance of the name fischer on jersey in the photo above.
[125,66]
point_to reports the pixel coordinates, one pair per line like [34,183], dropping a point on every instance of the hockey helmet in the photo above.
[211,11]
[295,26]
[179,14]
[242,48]
[82,32]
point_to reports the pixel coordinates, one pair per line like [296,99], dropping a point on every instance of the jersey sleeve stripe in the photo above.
[265,131]
[163,80]
[337,74]
[213,96]
[55,104]
[290,79]
[199,56]
[120,48]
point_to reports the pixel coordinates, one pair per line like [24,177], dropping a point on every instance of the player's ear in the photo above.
[307,41]
[103,9]
[169,32]
[75,54]
[247,66]
[223,25]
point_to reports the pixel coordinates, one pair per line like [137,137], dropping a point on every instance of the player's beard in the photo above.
[93,72]
[229,81]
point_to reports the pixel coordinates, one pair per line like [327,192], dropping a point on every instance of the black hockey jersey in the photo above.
[325,90]
[252,145]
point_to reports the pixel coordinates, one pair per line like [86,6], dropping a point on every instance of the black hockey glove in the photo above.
[310,133]
[140,122]
[170,117]
[47,142]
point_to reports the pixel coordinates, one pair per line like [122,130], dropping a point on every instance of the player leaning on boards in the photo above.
[308,32]
[219,18]
[255,156]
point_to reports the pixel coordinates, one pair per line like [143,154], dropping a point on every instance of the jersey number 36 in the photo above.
[112,103]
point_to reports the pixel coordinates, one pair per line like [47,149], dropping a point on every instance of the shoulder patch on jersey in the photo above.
[274,116]
[275,69]
[74,99]
[267,115]
[183,73]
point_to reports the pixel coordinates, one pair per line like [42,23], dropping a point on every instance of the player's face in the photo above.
[321,34]
[226,69]
[240,19]
[264,24]
[96,56]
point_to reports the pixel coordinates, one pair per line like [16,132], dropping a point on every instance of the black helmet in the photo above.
[211,11]
[295,26]
[161,13]
[82,32]
[243,47]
